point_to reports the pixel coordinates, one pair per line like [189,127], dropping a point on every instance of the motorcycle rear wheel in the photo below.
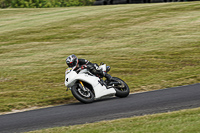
[121,90]
[81,95]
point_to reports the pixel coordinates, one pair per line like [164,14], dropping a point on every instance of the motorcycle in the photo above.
[87,87]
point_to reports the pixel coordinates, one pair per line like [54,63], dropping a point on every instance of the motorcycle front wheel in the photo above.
[84,96]
[122,90]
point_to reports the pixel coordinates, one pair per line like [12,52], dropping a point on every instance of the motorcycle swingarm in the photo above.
[114,83]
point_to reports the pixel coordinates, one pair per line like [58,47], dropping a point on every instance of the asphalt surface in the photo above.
[165,100]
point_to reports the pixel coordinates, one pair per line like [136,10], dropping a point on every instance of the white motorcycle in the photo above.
[87,87]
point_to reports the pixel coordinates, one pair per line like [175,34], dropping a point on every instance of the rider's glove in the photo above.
[83,66]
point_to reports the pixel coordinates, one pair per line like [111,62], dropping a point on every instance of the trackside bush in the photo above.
[5,3]
[43,3]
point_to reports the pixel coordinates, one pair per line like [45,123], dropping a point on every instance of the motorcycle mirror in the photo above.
[101,63]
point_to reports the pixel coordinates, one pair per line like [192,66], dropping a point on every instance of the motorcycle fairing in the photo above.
[99,89]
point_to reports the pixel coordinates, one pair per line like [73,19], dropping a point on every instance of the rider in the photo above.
[75,63]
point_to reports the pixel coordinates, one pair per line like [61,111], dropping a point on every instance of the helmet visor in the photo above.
[72,64]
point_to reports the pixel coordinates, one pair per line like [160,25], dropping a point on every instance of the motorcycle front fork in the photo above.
[81,85]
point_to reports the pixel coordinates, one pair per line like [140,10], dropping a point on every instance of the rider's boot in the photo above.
[107,76]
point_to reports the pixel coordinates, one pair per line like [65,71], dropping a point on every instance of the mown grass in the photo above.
[185,121]
[150,46]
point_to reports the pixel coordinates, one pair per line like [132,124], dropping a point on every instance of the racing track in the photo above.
[134,105]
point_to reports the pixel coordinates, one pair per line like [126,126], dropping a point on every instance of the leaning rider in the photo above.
[75,63]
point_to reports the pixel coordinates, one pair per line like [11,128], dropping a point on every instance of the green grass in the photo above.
[150,46]
[185,121]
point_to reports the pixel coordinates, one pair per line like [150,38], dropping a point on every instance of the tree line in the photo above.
[43,3]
